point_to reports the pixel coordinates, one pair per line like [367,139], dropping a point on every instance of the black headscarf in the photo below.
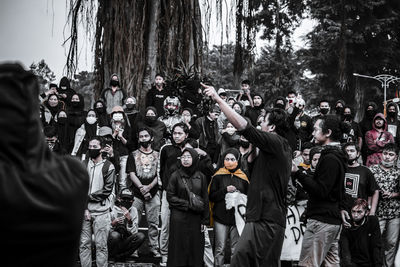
[236,153]
[90,128]
[189,171]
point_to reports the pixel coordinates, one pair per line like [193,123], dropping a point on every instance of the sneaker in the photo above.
[163,264]
[135,254]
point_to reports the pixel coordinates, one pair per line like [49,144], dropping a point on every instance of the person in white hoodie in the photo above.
[97,215]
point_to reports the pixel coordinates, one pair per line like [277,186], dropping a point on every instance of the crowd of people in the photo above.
[183,169]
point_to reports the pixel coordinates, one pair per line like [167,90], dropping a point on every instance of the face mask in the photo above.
[63,87]
[348,117]
[279,105]
[339,110]
[114,83]
[387,164]
[99,110]
[244,144]
[118,117]
[391,114]
[171,111]
[145,144]
[324,111]
[126,204]
[75,104]
[230,165]
[91,120]
[370,113]
[94,153]
[130,106]
[62,120]
[150,119]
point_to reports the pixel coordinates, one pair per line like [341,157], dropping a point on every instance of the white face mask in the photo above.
[387,164]
[118,117]
[91,120]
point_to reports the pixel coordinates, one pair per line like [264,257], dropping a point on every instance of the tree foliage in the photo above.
[43,72]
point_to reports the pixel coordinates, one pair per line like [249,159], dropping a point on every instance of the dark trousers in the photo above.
[120,248]
[259,245]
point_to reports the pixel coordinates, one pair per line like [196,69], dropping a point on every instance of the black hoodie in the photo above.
[42,195]
[326,187]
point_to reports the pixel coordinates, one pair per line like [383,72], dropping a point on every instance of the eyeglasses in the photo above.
[186,157]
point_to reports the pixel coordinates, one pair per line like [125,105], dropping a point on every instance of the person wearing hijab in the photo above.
[51,106]
[158,127]
[102,117]
[75,116]
[229,178]
[62,130]
[87,131]
[65,91]
[43,195]
[187,224]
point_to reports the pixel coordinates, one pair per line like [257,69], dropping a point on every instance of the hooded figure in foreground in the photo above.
[42,195]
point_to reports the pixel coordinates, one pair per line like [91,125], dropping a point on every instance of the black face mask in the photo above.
[150,119]
[145,144]
[279,105]
[244,144]
[339,110]
[94,153]
[370,113]
[99,110]
[114,83]
[348,117]
[130,106]
[324,111]
[126,203]
[75,104]
[391,114]
[62,121]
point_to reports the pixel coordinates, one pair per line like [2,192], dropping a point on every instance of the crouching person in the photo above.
[124,237]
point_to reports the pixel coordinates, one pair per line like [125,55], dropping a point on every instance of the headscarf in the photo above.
[189,171]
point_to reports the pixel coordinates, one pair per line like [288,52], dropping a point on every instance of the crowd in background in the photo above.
[150,161]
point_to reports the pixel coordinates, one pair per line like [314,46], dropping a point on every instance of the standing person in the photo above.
[75,117]
[376,139]
[359,183]
[324,109]
[158,128]
[102,117]
[187,222]
[245,93]
[393,123]
[65,92]
[157,94]
[361,243]
[168,164]
[354,135]
[228,179]
[366,125]
[261,241]
[142,169]
[172,106]
[97,214]
[387,175]
[124,237]
[113,95]
[42,194]
[325,190]
[253,112]
[62,131]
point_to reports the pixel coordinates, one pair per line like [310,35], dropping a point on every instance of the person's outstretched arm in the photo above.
[237,121]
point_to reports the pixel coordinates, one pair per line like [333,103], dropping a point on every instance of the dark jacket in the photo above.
[362,246]
[326,187]
[42,195]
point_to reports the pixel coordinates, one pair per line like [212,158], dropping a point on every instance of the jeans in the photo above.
[320,245]
[390,237]
[222,232]
[122,181]
[152,208]
[164,234]
[101,225]
[208,251]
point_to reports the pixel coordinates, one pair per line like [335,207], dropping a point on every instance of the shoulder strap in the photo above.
[186,186]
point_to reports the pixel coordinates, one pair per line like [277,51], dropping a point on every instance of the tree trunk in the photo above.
[342,75]
[137,38]
[238,61]
[359,101]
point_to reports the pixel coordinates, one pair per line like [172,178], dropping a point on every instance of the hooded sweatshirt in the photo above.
[42,195]
[376,140]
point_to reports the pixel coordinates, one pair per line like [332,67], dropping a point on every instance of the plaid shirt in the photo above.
[387,181]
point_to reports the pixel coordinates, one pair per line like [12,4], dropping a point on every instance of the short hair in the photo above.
[391,147]
[345,145]
[278,117]
[147,129]
[193,142]
[97,138]
[182,125]
[323,100]
[306,145]
[159,75]
[246,82]
[360,202]
[332,122]
[291,92]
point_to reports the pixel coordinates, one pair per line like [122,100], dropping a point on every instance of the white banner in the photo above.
[294,233]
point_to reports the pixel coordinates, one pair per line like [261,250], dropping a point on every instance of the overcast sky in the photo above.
[32,30]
